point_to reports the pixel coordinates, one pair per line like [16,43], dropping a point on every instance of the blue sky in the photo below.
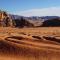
[19,6]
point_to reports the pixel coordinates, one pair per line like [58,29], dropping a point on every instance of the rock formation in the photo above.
[5,19]
[22,23]
[52,23]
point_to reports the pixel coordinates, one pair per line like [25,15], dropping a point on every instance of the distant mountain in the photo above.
[15,16]
[8,20]
[49,17]
[34,17]
[51,23]
[34,20]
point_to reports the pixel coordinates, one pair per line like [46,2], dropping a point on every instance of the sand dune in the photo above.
[17,44]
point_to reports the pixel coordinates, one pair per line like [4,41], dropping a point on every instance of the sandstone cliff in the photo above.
[5,19]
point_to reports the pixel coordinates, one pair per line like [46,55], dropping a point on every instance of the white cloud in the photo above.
[52,11]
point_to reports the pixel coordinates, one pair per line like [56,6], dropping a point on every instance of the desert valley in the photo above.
[28,38]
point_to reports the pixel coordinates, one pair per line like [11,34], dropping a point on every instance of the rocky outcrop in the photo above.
[5,19]
[52,23]
[22,23]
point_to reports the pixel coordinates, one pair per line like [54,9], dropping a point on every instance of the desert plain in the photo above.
[42,43]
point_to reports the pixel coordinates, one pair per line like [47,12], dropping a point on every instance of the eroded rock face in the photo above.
[22,23]
[5,19]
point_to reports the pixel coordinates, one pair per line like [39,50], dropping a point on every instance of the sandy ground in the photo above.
[30,43]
